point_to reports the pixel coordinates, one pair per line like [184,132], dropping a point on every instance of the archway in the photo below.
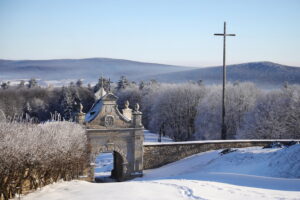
[117,172]
[108,130]
[109,167]
[118,163]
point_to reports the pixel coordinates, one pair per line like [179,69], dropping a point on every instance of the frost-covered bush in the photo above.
[33,155]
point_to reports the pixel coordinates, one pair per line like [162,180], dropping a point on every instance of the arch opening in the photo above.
[108,167]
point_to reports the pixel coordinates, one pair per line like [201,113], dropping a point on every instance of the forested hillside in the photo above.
[61,72]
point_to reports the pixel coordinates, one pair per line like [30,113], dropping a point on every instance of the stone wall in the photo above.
[159,154]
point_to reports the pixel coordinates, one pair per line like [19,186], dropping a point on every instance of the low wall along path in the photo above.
[159,154]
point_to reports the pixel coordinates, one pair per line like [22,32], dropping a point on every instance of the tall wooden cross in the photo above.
[224,128]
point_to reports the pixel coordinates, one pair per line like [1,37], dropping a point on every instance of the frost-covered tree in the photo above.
[122,83]
[141,85]
[5,85]
[21,84]
[132,93]
[68,101]
[32,83]
[79,83]
[174,110]
[276,115]
[43,101]
[102,82]
[240,98]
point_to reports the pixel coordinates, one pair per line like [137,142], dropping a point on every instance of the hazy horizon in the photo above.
[192,66]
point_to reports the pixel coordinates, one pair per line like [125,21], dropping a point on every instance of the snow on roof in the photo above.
[92,114]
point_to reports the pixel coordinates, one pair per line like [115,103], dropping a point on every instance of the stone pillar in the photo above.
[138,141]
[137,117]
[138,152]
[79,118]
[127,112]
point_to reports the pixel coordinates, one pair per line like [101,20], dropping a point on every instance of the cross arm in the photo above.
[222,34]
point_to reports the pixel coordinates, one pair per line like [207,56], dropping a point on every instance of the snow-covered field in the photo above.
[248,173]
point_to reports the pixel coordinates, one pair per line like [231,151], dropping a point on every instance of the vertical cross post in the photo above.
[224,127]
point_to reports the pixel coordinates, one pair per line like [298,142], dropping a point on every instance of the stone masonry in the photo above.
[159,154]
[108,130]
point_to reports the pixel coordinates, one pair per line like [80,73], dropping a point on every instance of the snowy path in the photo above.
[165,189]
[248,173]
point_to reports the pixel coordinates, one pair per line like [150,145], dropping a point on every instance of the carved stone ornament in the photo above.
[109,121]
[80,108]
[108,109]
[126,104]
[137,107]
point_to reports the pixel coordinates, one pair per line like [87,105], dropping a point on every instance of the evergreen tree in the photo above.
[123,83]
[68,102]
[141,85]
[90,88]
[72,84]
[79,83]
[21,84]
[5,85]
[32,83]
[200,82]
[102,82]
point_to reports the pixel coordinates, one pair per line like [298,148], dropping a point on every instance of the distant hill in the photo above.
[264,74]
[62,71]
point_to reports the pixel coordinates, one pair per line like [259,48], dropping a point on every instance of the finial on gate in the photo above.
[126,104]
[136,107]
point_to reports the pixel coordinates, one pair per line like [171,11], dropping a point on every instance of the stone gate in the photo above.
[108,130]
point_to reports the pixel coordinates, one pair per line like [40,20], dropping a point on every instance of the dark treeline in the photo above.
[41,103]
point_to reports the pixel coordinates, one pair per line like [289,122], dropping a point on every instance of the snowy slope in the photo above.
[248,173]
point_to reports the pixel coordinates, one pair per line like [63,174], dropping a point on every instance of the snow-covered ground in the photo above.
[248,173]
[104,164]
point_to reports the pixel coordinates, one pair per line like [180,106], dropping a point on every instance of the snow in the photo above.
[247,173]
[104,164]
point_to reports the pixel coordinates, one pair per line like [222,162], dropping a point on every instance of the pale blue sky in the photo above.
[163,31]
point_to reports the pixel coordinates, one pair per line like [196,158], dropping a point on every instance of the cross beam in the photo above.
[224,128]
